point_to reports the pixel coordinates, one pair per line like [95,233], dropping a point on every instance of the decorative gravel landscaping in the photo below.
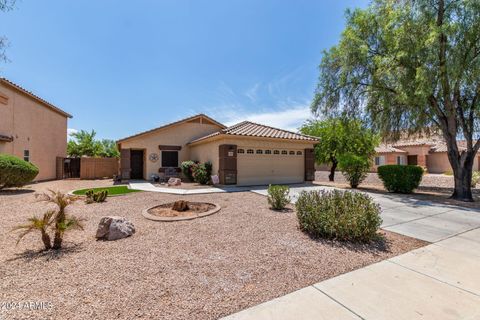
[205,268]
[112,191]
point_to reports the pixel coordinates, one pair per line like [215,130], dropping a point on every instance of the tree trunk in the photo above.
[462,165]
[331,176]
[57,240]
[46,240]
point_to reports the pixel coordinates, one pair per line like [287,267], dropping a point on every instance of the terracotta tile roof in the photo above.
[442,146]
[34,96]
[5,138]
[385,148]
[172,124]
[251,129]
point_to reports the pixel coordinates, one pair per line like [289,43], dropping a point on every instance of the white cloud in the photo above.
[251,93]
[287,118]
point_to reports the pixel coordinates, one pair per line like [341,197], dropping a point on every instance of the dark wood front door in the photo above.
[136,164]
[412,160]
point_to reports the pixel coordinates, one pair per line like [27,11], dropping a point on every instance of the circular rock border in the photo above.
[149,216]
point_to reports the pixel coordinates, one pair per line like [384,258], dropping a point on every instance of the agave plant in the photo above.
[38,224]
[57,220]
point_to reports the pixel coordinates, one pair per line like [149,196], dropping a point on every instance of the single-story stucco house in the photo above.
[429,153]
[244,154]
[32,129]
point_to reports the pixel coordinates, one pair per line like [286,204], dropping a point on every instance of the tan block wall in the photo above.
[178,135]
[34,127]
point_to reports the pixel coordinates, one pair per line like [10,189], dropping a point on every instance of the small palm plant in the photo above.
[57,220]
[41,224]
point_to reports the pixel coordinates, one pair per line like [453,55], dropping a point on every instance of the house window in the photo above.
[170,159]
[299,153]
[26,155]
[259,151]
[268,151]
[284,152]
[400,160]
[276,152]
[291,152]
[250,151]
[379,160]
[240,151]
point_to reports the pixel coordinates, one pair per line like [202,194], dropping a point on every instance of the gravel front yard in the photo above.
[199,269]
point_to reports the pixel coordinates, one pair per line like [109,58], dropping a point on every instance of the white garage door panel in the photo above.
[253,169]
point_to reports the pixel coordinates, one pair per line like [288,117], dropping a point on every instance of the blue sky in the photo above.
[124,67]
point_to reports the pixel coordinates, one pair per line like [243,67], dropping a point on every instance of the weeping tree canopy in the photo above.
[410,66]
[5,5]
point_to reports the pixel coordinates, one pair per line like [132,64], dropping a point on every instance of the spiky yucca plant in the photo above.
[38,224]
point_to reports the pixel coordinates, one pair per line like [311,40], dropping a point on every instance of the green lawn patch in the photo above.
[112,191]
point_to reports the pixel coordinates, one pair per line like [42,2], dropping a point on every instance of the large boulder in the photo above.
[114,228]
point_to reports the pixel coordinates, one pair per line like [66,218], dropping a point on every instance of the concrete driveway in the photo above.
[439,281]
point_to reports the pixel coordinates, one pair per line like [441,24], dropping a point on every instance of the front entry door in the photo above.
[412,160]
[136,163]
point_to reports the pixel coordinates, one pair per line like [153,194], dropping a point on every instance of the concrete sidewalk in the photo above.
[439,281]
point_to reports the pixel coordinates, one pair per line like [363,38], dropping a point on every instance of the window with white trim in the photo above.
[400,160]
[379,160]
[284,152]
[268,151]
[240,151]
[291,152]
[276,152]
[259,151]
[26,155]
[299,153]
[250,151]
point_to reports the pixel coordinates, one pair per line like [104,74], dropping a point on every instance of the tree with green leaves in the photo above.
[340,136]
[5,5]
[410,66]
[83,143]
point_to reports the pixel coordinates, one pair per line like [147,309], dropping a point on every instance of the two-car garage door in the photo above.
[262,167]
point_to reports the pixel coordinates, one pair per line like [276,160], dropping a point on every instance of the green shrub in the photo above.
[475,178]
[354,168]
[278,197]
[15,172]
[400,178]
[187,169]
[202,172]
[99,196]
[341,215]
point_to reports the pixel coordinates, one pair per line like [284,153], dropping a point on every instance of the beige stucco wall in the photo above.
[178,135]
[34,127]
[438,163]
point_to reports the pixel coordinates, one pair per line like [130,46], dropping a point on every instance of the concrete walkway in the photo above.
[147,186]
[439,281]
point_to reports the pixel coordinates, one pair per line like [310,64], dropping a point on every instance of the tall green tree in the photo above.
[109,149]
[84,144]
[407,66]
[338,137]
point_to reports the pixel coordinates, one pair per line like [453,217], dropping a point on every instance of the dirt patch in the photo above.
[194,209]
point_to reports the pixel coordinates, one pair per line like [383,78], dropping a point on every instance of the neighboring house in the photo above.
[430,153]
[32,128]
[244,154]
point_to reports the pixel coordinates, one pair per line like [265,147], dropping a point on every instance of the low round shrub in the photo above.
[341,215]
[202,172]
[278,197]
[187,169]
[15,172]
[400,178]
